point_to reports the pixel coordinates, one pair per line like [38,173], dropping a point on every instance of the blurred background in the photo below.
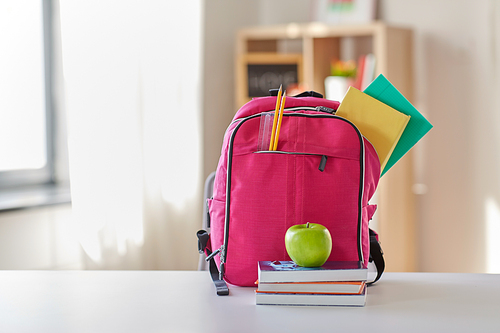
[112,114]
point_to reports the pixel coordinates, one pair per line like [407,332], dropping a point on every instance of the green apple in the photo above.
[309,245]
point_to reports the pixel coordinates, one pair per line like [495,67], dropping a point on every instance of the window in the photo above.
[27,118]
[26,136]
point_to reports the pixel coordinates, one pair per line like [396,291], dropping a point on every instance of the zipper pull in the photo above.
[322,164]
[325,109]
[208,214]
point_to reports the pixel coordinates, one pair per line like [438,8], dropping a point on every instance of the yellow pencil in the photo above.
[275,121]
[278,127]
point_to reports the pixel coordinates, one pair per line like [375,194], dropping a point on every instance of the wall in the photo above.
[456,77]
[39,238]
[222,19]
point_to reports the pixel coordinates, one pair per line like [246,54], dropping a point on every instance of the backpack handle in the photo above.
[310,93]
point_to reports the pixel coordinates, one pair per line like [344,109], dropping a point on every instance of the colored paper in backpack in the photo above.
[379,123]
[417,127]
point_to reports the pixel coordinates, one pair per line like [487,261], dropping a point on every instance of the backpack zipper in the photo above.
[240,121]
[323,109]
[322,163]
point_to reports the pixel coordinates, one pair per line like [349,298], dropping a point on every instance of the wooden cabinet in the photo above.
[318,44]
[312,47]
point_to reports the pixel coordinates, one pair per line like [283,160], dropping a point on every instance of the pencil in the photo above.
[278,126]
[275,121]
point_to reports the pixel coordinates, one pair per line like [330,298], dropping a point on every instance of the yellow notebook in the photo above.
[378,122]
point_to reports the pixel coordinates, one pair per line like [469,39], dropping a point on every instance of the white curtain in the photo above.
[132,96]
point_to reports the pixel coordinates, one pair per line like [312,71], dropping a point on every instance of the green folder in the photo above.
[417,127]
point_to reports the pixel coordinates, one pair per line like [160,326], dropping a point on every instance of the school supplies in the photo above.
[280,119]
[302,299]
[417,127]
[275,120]
[288,271]
[378,122]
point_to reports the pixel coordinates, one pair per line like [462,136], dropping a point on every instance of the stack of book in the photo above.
[340,283]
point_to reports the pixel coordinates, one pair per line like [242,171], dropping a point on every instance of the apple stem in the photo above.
[307,225]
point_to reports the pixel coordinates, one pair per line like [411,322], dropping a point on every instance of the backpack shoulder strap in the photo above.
[220,285]
[376,255]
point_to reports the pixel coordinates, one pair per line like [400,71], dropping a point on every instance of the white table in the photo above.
[180,301]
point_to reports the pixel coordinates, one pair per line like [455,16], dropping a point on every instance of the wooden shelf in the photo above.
[319,44]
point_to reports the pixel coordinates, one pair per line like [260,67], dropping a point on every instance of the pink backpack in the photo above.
[323,171]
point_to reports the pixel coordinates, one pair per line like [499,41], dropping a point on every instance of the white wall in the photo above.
[39,238]
[222,19]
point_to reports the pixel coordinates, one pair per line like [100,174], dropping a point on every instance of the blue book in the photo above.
[288,271]
[383,90]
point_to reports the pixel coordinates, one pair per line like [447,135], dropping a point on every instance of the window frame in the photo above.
[46,175]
